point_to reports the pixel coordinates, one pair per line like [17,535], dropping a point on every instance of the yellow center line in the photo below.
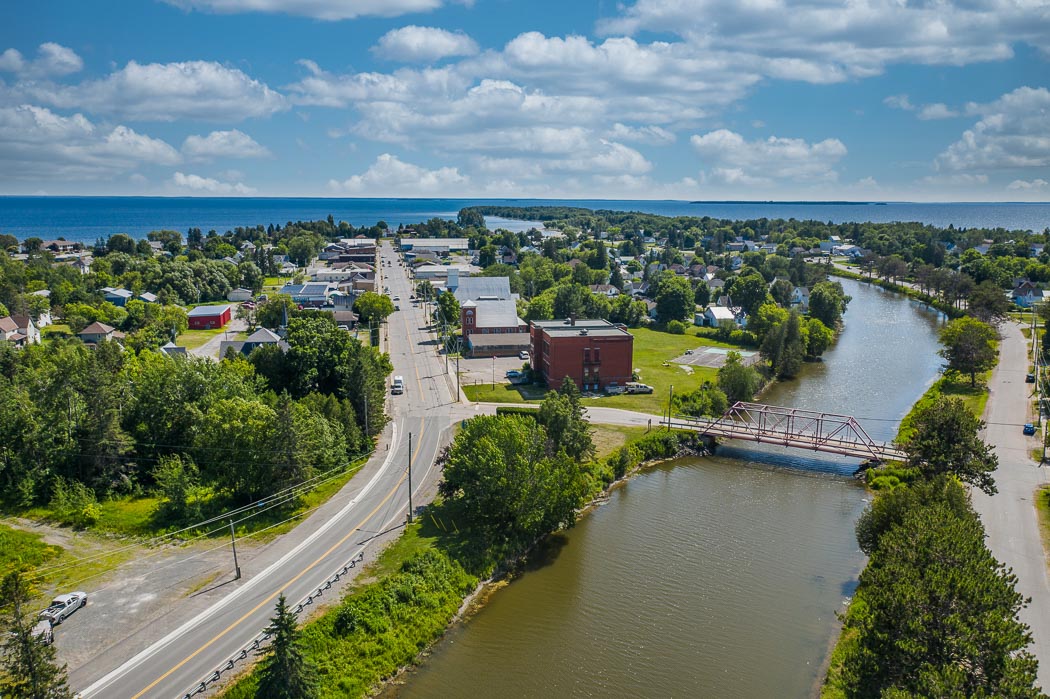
[278,591]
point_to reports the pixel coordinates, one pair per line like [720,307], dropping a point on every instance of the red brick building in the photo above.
[210,317]
[595,353]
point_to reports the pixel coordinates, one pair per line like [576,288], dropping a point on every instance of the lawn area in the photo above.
[609,438]
[1042,506]
[192,339]
[653,351]
[57,330]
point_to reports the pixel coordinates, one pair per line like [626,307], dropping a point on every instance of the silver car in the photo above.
[62,606]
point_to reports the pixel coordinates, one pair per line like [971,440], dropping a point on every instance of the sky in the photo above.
[864,100]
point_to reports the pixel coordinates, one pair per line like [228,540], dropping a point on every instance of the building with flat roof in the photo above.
[488,316]
[441,246]
[594,353]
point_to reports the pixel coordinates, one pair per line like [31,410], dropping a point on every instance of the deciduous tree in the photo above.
[969,347]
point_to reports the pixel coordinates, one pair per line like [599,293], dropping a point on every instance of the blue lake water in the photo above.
[86,218]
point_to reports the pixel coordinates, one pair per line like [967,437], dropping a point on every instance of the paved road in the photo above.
[1010,516]
[211,347]
[374,502]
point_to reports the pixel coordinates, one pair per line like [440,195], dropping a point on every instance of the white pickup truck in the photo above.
[62,606]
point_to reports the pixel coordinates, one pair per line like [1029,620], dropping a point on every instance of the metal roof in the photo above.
[208,311]
[472,288]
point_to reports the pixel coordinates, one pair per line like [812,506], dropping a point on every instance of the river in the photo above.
[703,577]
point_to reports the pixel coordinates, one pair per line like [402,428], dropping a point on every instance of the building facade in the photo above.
[594,353]
[210,317]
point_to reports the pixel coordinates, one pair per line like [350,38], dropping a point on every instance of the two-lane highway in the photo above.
[376,501]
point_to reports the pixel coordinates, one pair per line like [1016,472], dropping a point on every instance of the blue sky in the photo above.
[922,100]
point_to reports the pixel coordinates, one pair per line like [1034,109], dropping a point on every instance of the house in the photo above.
[713,315]
[58,246]
[800,298]
[260,338]
[594,353]
[607,290]
[344,318]
[848,250]
[19,330]
[148,297]
[735,263]
[493,316]
[239,295]
[210,317]
[172,350]
[1026,293]
[716,284]
[97,332]
[118,296]
[636,288]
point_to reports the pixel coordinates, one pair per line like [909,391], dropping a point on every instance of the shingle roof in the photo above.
[96,328]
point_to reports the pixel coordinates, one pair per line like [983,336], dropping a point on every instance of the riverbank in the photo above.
[910,292]
[433,576]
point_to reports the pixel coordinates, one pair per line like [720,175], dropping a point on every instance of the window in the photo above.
[597,357]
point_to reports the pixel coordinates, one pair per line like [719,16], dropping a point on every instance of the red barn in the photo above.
[595,353]
[210,317]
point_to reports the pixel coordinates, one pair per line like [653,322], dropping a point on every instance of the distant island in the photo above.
[795,203]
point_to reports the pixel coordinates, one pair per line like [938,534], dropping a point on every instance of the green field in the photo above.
[192,339]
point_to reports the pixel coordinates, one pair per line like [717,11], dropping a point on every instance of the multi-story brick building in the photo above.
[595,353]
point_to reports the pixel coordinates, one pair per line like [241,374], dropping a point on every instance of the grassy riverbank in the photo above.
[947,309]
[405,601]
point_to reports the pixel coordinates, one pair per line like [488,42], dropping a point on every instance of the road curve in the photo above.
[376,501]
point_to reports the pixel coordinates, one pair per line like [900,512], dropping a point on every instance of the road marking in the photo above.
[278,591]
[156,647]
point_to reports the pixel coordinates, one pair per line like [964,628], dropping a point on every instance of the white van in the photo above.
[398,386]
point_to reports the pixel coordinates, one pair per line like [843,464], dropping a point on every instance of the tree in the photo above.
[470,217]
[674,298]
[448,306]
[785,346]
[748,292]
[827,303]
[285,673]
[251,276]
[562,415]
[818,337]
[945,439]
[738,381]
[969,347]
[275,311]
[988,304]
[302,249]
[372,307]
[29,669]
[701,293]
[570,300]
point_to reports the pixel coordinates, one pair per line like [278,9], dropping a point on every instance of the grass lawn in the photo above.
[192,339]
[1042,506]
[609,438]
[58,330]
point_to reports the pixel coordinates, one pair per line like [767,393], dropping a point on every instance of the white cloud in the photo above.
[208,185]
[52,59]
[202,90]
[1036,185]
[899,102]
[391,177]
[734,160]
[937,110]
[1013,132]
[330,10]
[223,144]
[833,40]
[36,143]
[654,135]
[956,180]
[423,44]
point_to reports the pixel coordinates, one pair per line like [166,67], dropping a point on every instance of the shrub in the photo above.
[677,327]
[623,460]
[73,503]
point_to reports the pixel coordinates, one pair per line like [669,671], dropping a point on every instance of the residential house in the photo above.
[172,350]
[260,338]
[239,295]
[800,298]
[1026,293]
[19,330]
[118,296]
[607,290]
[97,332]
[736,262]
[713,315]
[313,294]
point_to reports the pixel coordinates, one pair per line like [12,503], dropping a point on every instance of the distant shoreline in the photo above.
[798,203]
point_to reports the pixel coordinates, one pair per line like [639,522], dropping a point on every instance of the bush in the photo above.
[517,410]
[73,503]
[623,460]
[658,445]
[677,327]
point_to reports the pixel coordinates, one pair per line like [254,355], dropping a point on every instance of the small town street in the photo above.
[1010,517]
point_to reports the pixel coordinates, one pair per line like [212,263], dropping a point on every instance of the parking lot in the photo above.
[715,357]
[482,369]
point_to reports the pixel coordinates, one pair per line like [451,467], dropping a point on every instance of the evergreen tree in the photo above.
[29,669]
[946,440]
[285,673]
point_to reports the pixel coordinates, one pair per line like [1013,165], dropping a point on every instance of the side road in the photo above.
[1010,516]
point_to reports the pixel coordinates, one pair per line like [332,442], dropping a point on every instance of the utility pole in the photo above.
[366,413]
[233,543]
[410,508]
[670,401]
[457,378]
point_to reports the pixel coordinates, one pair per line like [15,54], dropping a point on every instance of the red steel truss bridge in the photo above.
[792,427]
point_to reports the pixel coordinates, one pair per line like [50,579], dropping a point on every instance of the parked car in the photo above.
[62,606]
[689,351]
[1029,428]
[635,387]
[524,354]
[1029,378]
[615,389]
[513,374]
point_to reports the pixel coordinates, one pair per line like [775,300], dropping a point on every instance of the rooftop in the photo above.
[592,327]
[200,311]
[476,287]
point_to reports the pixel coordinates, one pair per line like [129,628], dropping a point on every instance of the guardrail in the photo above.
[262,637]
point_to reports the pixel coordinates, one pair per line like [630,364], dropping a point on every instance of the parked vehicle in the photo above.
[62,606]
[524,354]
[398,387]
[513,374]
[1030,378]
[615,389]
[1029,428]
[635,387]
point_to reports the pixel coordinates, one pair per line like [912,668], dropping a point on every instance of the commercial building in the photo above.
[491,327]
[595,353]
[210,317]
